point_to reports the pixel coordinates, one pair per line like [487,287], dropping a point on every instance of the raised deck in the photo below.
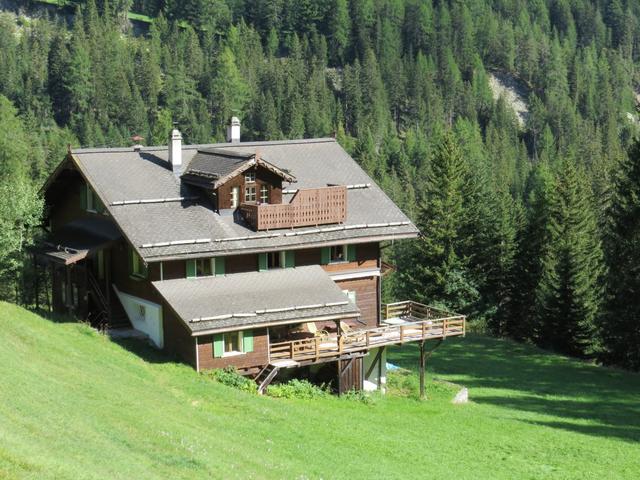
[401,322]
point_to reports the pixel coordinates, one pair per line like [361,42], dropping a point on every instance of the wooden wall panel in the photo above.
[366,298]
[177,338]
[258,358]
[241,263]
[263,177]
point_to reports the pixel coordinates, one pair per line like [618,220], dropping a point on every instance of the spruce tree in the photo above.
[569,294]
[440,275]
[620,329]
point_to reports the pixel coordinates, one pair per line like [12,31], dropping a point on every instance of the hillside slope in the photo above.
[75,405]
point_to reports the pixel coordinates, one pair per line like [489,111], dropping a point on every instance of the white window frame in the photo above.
[264,193]
[250,176]
[235,197]
[351,295]
[344,254]
[247,195]
[233,353]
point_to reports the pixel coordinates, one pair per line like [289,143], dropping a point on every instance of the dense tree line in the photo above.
[529,226]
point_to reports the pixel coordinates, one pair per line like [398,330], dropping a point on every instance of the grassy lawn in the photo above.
[75,405]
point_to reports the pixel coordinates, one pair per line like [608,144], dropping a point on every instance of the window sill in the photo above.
[232,354]
[137,278]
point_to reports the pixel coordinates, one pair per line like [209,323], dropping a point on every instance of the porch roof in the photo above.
[289,295]
[79,238]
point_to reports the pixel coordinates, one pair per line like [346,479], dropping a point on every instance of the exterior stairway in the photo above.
[265,377]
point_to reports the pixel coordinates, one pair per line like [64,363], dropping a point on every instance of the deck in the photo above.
[401,322]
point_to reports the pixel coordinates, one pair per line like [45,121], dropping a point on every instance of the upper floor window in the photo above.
[137,266]
[205,267]
[235,197]
[264,194]
[250,176]
[250,194]
[90,201]
[275,260]
[338,253]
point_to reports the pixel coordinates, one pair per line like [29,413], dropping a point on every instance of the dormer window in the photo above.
[250,176]
[264,194]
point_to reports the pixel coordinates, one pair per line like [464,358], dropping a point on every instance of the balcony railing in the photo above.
[312,206]
[402,322]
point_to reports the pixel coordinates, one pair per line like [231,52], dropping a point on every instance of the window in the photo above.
[264,194]
[138,268]
[275,260]
[250,194]
[338,254]
[91,202]
[232,343]
[351,295]
[250,176]
[142,311]
[204,267]
[235,197]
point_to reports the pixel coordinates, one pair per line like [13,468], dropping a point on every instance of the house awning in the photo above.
[275,297]
[78,239]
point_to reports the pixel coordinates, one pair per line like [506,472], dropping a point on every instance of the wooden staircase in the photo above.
[265,377]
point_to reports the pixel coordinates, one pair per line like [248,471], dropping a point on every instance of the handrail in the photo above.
[422,324]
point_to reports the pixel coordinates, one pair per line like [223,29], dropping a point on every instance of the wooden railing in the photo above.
[415,322]
[312,206]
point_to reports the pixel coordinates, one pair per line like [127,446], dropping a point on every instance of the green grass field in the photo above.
[75,405]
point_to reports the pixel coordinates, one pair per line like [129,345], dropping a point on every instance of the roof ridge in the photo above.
[199,146]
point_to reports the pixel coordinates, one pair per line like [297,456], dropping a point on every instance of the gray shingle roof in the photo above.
[281,296]
[168,229]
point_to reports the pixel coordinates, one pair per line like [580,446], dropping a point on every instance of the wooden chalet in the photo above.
[260,255]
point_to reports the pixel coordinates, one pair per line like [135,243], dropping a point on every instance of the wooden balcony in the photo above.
[401,322]
[312,206]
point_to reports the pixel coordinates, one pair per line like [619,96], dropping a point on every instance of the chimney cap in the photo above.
[235,121]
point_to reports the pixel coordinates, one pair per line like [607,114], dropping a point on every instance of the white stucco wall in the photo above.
[370,383]
[144,315]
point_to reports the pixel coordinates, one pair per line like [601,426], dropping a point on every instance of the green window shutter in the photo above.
[262,262]
[220,263]
[351,253]
[218,345]
[191,268]
[98,205]
[289,259]
[132,259]
[145,270]
[325,255]
[247,341]
[83,196]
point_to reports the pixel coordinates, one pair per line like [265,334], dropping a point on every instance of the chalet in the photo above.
[260,255]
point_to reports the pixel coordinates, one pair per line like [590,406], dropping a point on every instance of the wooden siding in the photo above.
[177,339]
[350,372]
[366,298]
[138,287]
[173,269]
[259,357]
[367,255]
[263,177]
[241,263]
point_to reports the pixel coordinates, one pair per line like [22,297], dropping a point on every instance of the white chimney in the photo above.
[175,150]
[233,131]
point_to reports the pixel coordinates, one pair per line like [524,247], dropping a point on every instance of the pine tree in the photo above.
[569,294]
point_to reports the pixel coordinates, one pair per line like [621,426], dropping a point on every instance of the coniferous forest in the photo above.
[530,221]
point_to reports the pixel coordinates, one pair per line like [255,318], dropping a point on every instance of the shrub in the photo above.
[358,396]
[298,389]
[229,376]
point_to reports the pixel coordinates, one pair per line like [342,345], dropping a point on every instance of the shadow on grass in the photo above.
[537,382]
[143,349]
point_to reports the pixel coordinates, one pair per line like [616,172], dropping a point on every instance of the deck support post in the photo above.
[422,361]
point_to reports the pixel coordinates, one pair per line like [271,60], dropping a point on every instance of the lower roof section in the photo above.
[275,297]
[79,238]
